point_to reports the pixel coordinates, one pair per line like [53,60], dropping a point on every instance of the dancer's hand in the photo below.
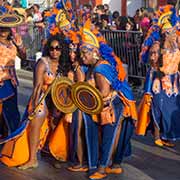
[68,117]
[17,40]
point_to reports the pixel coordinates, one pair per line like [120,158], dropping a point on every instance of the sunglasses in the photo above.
[57,48]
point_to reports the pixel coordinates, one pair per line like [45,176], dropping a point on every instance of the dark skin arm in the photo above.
[79,75]
[21,50]
[102,84]
[38,83]
[178,42]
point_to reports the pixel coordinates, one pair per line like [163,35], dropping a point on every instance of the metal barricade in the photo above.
[127,46]
[37,35]
[32,37]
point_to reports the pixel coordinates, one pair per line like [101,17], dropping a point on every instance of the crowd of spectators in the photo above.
[107,20]
[101,16]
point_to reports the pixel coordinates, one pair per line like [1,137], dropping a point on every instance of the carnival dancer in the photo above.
[159,105]
[78,155]
[104,71]
[61,19]
[26,146]
[10,46]
[46,71]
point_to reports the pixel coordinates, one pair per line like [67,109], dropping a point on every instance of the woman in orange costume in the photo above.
[47,68]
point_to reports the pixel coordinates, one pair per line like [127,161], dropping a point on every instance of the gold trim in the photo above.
[87,98]
[15,20]
[61,95]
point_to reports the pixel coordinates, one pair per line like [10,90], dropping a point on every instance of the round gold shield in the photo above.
[87,98]
[61,95]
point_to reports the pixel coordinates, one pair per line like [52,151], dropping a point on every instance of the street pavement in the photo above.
[148,162]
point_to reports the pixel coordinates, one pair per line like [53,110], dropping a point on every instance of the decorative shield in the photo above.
[10,20]
[87,98]
[61,95]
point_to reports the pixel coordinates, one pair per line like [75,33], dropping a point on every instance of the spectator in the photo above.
[100,11]
[145,23]
[95,18]
[86,12]
[105,21]
[115,19]
[98,25]
[129,43]
[137,18]
[23,29]
[29,15]
[108,12]
[37,17]
[121,22]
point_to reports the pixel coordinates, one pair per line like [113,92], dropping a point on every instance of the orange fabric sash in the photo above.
[143,114]
[16,152]
[130,109]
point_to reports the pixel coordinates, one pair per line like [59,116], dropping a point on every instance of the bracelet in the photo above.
[76,68]
[20,46]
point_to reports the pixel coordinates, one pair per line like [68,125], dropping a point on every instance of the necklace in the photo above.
[5,43]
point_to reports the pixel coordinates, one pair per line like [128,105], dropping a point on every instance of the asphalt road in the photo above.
[148,162]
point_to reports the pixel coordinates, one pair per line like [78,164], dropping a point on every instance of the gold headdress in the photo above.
[88,37]
[164,21]
[61,19]
[167,17]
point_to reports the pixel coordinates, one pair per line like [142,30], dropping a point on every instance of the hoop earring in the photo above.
[95,56]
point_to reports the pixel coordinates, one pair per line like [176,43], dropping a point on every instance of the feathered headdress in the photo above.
[108,54]
[165,19]
[2,10]
[91,37]
[60,17]
[88,39]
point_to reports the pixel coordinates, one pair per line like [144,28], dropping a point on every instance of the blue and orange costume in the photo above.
[119,108]
[160,101]
[8,88]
